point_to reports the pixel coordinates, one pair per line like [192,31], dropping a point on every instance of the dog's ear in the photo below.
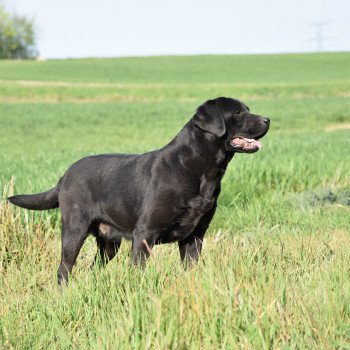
[209,118]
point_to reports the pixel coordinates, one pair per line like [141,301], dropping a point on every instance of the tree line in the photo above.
[17,36]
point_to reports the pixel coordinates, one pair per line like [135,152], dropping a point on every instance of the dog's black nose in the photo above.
[266,120]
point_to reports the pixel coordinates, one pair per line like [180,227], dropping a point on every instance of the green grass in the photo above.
[276,262]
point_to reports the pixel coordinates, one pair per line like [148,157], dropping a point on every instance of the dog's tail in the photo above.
[40,201]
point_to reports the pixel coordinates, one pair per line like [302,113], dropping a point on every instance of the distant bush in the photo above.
[17,36]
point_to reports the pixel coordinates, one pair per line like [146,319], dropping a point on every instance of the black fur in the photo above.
[168,195]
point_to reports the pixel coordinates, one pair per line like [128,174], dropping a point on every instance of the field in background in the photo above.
[275,271]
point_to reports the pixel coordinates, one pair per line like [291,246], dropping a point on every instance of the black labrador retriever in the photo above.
[168,195]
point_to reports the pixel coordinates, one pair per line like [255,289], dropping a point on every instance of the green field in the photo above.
[275,272]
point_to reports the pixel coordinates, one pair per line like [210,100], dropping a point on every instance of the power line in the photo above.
[320,38]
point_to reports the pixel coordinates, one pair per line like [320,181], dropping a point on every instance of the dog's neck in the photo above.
[204,149]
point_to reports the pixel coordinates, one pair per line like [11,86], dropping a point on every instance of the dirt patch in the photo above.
[339,126]
[53,99]
[66,84]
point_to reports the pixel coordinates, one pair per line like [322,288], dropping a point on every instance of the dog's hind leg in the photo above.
[74,233]
[106,250]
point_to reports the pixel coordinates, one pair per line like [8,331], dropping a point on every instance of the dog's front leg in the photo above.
[142,244]
[191,247]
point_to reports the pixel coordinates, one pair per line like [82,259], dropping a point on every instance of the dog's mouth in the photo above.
[244,144]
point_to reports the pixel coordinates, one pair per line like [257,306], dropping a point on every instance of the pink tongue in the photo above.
[258,144]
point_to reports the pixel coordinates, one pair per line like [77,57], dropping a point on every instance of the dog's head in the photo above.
[230,121]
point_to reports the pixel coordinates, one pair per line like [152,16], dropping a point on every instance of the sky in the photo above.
[113,28]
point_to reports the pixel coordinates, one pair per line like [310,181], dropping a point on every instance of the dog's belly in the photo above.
[112,233]
[120,211]
[168,223]
[116,224]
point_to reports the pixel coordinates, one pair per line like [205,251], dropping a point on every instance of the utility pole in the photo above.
[320,37]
